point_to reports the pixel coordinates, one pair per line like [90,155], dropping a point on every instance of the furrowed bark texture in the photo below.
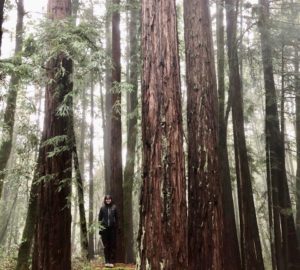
[116,174]
[205,216]
[297,89]
[52,248]
[163,227]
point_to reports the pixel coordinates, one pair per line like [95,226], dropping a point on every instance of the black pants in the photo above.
[108,236]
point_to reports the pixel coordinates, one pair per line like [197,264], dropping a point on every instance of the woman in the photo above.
[108,220]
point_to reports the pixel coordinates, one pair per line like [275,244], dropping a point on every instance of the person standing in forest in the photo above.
[108,219]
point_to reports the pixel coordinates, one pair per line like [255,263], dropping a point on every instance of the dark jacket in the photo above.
[108,216]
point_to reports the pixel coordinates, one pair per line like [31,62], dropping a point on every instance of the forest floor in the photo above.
[98,264]
[9,263]
[118,266]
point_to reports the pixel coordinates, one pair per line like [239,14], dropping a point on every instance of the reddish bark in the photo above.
[52,248]
[163,227]
[205,217]
[115,153]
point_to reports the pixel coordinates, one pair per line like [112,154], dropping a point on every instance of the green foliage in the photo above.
[59,143]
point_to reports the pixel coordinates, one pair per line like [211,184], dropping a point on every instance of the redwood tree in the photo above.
[163,228]
[10,110]
[232,259]
[107,112]
[115,136]
[91,176]
[297,91]
[132,102]
[251,252]
[52,245]
[205,242]
[286,245]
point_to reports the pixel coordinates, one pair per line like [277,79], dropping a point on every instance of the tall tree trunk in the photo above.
[52,245]
[80,178]
[251,252]
[1,21]
[163,226]
[286,245]
[9,114]
[74,222]
[108,102]
[116,177]
[30,223]
[82,132]
[91,176]
[205,242]
[79,187]
[132,103]
[25,247]
[80,196]
[232,259]
[75,7]
[297,91]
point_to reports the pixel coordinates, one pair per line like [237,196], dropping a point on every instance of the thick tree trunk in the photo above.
[232,259]
[251,252]
[9,114]
[1,21]
[132,103]
[91,176]
[205,242]
[52,248]
[286,244]
[163,218]
[297,91]
[116,175]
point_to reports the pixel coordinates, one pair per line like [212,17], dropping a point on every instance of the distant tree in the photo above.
[285,237]
[107,112]
[91,176]
[80,194]
[251,252]
[10,110]
[52,245]
[24,252]
[232,258]
[163,219]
